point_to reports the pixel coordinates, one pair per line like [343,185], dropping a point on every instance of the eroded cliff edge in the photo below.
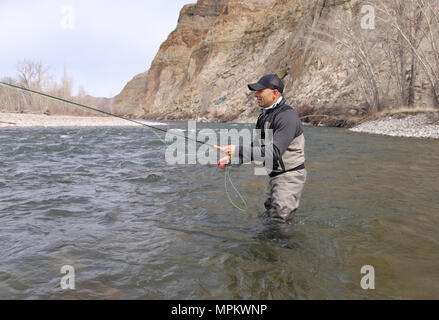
[202,70]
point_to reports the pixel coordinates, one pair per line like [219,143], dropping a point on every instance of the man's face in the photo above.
[266,97]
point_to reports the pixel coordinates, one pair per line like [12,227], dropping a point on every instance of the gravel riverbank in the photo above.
[417,125]
[18,120]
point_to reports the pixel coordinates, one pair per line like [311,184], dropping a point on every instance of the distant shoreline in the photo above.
[25,120]
[415,125]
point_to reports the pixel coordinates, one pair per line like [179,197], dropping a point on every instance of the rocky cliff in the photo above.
[219,46]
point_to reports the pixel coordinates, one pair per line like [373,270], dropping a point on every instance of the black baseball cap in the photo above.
[271,81]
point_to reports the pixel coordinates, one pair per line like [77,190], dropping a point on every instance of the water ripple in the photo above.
[105,201]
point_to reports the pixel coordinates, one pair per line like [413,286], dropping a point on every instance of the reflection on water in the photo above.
[105,202]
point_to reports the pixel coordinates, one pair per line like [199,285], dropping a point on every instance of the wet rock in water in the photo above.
[152,178]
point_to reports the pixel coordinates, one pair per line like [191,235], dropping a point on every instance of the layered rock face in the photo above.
[219,46]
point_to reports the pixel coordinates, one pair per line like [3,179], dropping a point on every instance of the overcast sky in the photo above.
[102,44]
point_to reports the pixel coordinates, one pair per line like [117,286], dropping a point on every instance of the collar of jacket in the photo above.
[268,110]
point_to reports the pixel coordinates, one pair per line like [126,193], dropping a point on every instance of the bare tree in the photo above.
[32,74]
[356,48]
[66,85]
[395,58]
[416,25]
[399,53]
[35,76]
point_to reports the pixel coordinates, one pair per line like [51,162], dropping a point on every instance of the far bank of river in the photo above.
[416,125]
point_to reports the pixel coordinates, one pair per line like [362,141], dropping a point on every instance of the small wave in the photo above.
[154,143]
[180,130]
[62,213]
[108,218]
[150,178]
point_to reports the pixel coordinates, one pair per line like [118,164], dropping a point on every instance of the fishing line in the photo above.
[227,176]
[97,110]
[227,169]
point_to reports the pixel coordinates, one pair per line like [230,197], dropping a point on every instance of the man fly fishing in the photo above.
[286,150]
[288,174]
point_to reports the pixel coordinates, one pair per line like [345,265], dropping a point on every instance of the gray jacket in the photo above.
[288,143]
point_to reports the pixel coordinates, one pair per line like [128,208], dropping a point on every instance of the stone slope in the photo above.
[203,68]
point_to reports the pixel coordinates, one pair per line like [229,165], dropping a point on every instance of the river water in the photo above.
[104,201]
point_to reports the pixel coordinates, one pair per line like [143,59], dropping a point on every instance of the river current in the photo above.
[104,201]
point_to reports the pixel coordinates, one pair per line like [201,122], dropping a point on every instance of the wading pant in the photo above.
[283,194]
